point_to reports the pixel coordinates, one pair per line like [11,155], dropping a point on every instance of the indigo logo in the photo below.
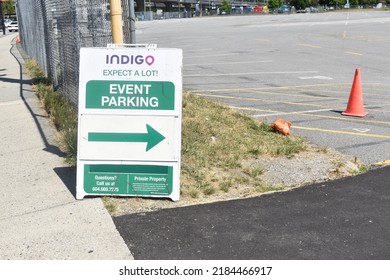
[129,59]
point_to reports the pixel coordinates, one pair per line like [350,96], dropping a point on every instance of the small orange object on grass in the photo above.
[282,126]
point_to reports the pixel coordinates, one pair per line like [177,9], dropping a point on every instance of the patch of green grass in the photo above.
[323,150]
[215,137]
[254,171]
[209,190]
[362,169]
[194,193]
[226,185]
[262,188]
[36,73]
[60,110]
[110,205]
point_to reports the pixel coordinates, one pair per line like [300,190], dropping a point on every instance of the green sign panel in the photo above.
[130,95]
[152,180]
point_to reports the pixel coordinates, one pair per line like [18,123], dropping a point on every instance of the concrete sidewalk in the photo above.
[39,215]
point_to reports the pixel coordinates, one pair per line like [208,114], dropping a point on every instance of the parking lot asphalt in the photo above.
[298,67]
[341,220]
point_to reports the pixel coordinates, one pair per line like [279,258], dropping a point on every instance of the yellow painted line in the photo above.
[232,97]
[345,119]
[347,91]
[263,40]
[349,119]
[291,103]
[291,113]
[264,100]
[343,132]
[265,88]
[379,86]
[309,85]
[342,95]
[310,46]
[371,38]
[291,87]
[378,110]
[337,118]
[295,95]
[385,162]
[254,109]
[353,53]
[344,98]
[377,89]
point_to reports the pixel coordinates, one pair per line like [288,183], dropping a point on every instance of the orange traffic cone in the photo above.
[355,106]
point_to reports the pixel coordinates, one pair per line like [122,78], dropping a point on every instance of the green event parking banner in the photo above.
[129,122]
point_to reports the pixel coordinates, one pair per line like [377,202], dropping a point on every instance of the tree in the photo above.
[274,4]
[8,7]
[354,3]
[369,2]
[225,6]
[337,3]
[299,4]
[324,2]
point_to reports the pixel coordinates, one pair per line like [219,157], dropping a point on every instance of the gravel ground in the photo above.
[307,168]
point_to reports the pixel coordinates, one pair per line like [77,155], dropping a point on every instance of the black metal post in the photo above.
[2,17]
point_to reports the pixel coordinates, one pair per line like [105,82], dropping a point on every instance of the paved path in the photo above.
[39,216]
[345,219]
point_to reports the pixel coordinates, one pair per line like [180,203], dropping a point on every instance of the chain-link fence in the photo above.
[53,31]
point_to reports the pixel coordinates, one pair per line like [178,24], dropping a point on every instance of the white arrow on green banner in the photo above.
[152,137]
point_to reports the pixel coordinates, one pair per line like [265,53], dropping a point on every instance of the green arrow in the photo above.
[151,137]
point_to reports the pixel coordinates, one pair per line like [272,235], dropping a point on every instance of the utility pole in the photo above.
[116,21]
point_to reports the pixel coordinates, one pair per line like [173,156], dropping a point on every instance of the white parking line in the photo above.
[208,55]
[248,73]
[234,62]
[292,113]
[316,78]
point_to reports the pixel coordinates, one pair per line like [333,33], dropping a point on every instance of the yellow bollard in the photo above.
[116,21]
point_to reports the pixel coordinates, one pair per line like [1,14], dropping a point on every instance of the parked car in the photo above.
[13,26]
[283,9]
[7,22]
[258,9]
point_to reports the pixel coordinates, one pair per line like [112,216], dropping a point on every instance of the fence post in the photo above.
[132,22]
[116,21]
[2,26]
